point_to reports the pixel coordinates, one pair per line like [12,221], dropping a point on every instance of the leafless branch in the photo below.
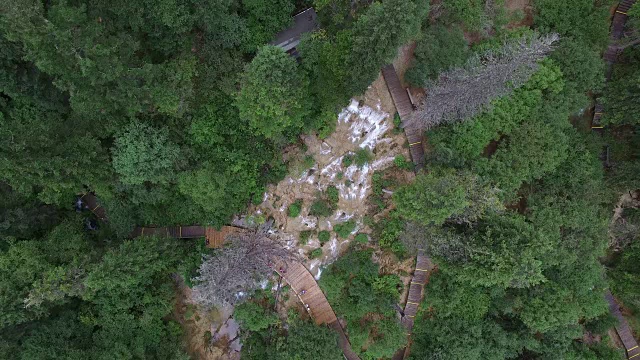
[237,268]
[461,93]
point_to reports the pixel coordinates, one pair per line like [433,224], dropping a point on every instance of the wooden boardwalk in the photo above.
[214,238]
[623,329]
[423,268]
[91,201]
[405,110]
[610,55]
[306,288]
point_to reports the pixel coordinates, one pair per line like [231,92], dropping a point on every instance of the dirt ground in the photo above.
[520,5]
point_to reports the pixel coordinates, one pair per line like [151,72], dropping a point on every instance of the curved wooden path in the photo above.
[623,329]
[405,110]
[306,288]
[610,55]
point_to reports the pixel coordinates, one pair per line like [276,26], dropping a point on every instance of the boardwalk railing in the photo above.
[623,329]
[405,110]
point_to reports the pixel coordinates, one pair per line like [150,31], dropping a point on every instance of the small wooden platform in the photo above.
[215,238]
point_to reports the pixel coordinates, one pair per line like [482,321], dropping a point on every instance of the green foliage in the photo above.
[347,160]
[298,165]
[33,157]
[401,162]
[582,20]
[438,50]
[470,13]
[397,122]
[253,317]
[220,192]
[388,232]
[303,239]
[362,157]
[362,238]
[365,299]
[434,197]
[376,35]
[265,19]
[301,340]
[345,229]
[316,253]
[144,154]
[333,195]
[326,203]
[273,98]
[320,207]
[624,278]
[295,208]
[621,94]
[324,236]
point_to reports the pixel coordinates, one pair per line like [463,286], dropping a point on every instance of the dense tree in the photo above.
[273,98]
[438,50]
[463,92]
[33,157]
[446,194]
[365,299]
[375,38]
[583,20]
[265,19]
[144,154]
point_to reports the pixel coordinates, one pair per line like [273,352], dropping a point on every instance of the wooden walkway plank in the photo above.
[405,110]
[423,268]
[309,293]
[622,328]
[610,55]
[94,206]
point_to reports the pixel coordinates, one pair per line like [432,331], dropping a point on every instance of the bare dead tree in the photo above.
[237,268]
[623,233]
[461,93]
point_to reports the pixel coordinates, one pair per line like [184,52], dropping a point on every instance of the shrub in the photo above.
[363,157]
[396,124]
[344,229]
[333,194]
[316,253]
[368,220]
[348,183]
[347,160]
[387,284]
[389,231]
[401,162]
[303,239]
[340,175]
[362,238]
[295,209]
[324,236]
[298,164]
[320,208]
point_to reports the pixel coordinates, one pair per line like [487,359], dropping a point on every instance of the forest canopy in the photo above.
[176,113]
